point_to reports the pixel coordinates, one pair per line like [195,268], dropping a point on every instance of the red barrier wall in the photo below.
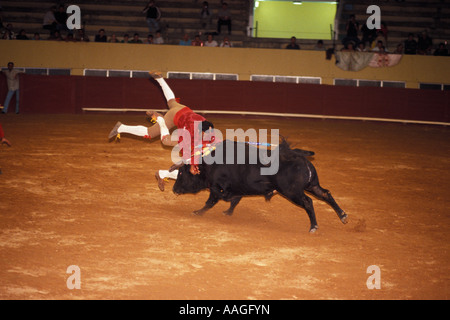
[69,94]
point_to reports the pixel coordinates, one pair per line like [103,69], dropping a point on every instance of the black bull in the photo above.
[230,182]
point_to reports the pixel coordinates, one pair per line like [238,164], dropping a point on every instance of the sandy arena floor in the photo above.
[68,197]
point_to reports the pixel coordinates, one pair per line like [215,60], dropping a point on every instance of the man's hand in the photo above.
[194,169]
[167,141]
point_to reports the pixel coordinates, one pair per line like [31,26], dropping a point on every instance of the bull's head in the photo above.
[189,183]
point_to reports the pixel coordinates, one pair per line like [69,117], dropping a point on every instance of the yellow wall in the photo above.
[242,61]
[284,19]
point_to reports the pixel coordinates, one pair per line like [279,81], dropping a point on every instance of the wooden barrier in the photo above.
[73,94]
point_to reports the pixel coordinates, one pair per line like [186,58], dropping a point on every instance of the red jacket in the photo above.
[186,119]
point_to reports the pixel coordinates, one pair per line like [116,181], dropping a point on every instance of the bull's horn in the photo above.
[176,166]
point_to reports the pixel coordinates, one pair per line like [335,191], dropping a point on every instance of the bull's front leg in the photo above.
[212,200]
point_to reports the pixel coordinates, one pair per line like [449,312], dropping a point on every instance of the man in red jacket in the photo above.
[178,116]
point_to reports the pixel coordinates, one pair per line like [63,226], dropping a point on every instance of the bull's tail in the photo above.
[289,154]
[304,153]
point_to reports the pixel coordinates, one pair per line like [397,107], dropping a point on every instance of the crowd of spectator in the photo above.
[358,37]
[55,28]
[365,39]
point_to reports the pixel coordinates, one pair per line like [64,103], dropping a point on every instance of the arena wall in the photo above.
[242,61]
[73,94]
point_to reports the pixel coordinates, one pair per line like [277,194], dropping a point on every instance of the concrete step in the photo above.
[182,16]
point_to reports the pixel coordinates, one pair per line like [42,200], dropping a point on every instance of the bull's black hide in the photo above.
[231,182]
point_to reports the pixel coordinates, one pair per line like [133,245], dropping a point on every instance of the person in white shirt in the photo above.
[210,42]
[50,22]
[380,48]
[158,38]
[12,78]
[226,43]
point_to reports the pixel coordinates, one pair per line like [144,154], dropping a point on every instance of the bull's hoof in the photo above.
[344,219]
[313,229]
[199,212]
[228,212]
